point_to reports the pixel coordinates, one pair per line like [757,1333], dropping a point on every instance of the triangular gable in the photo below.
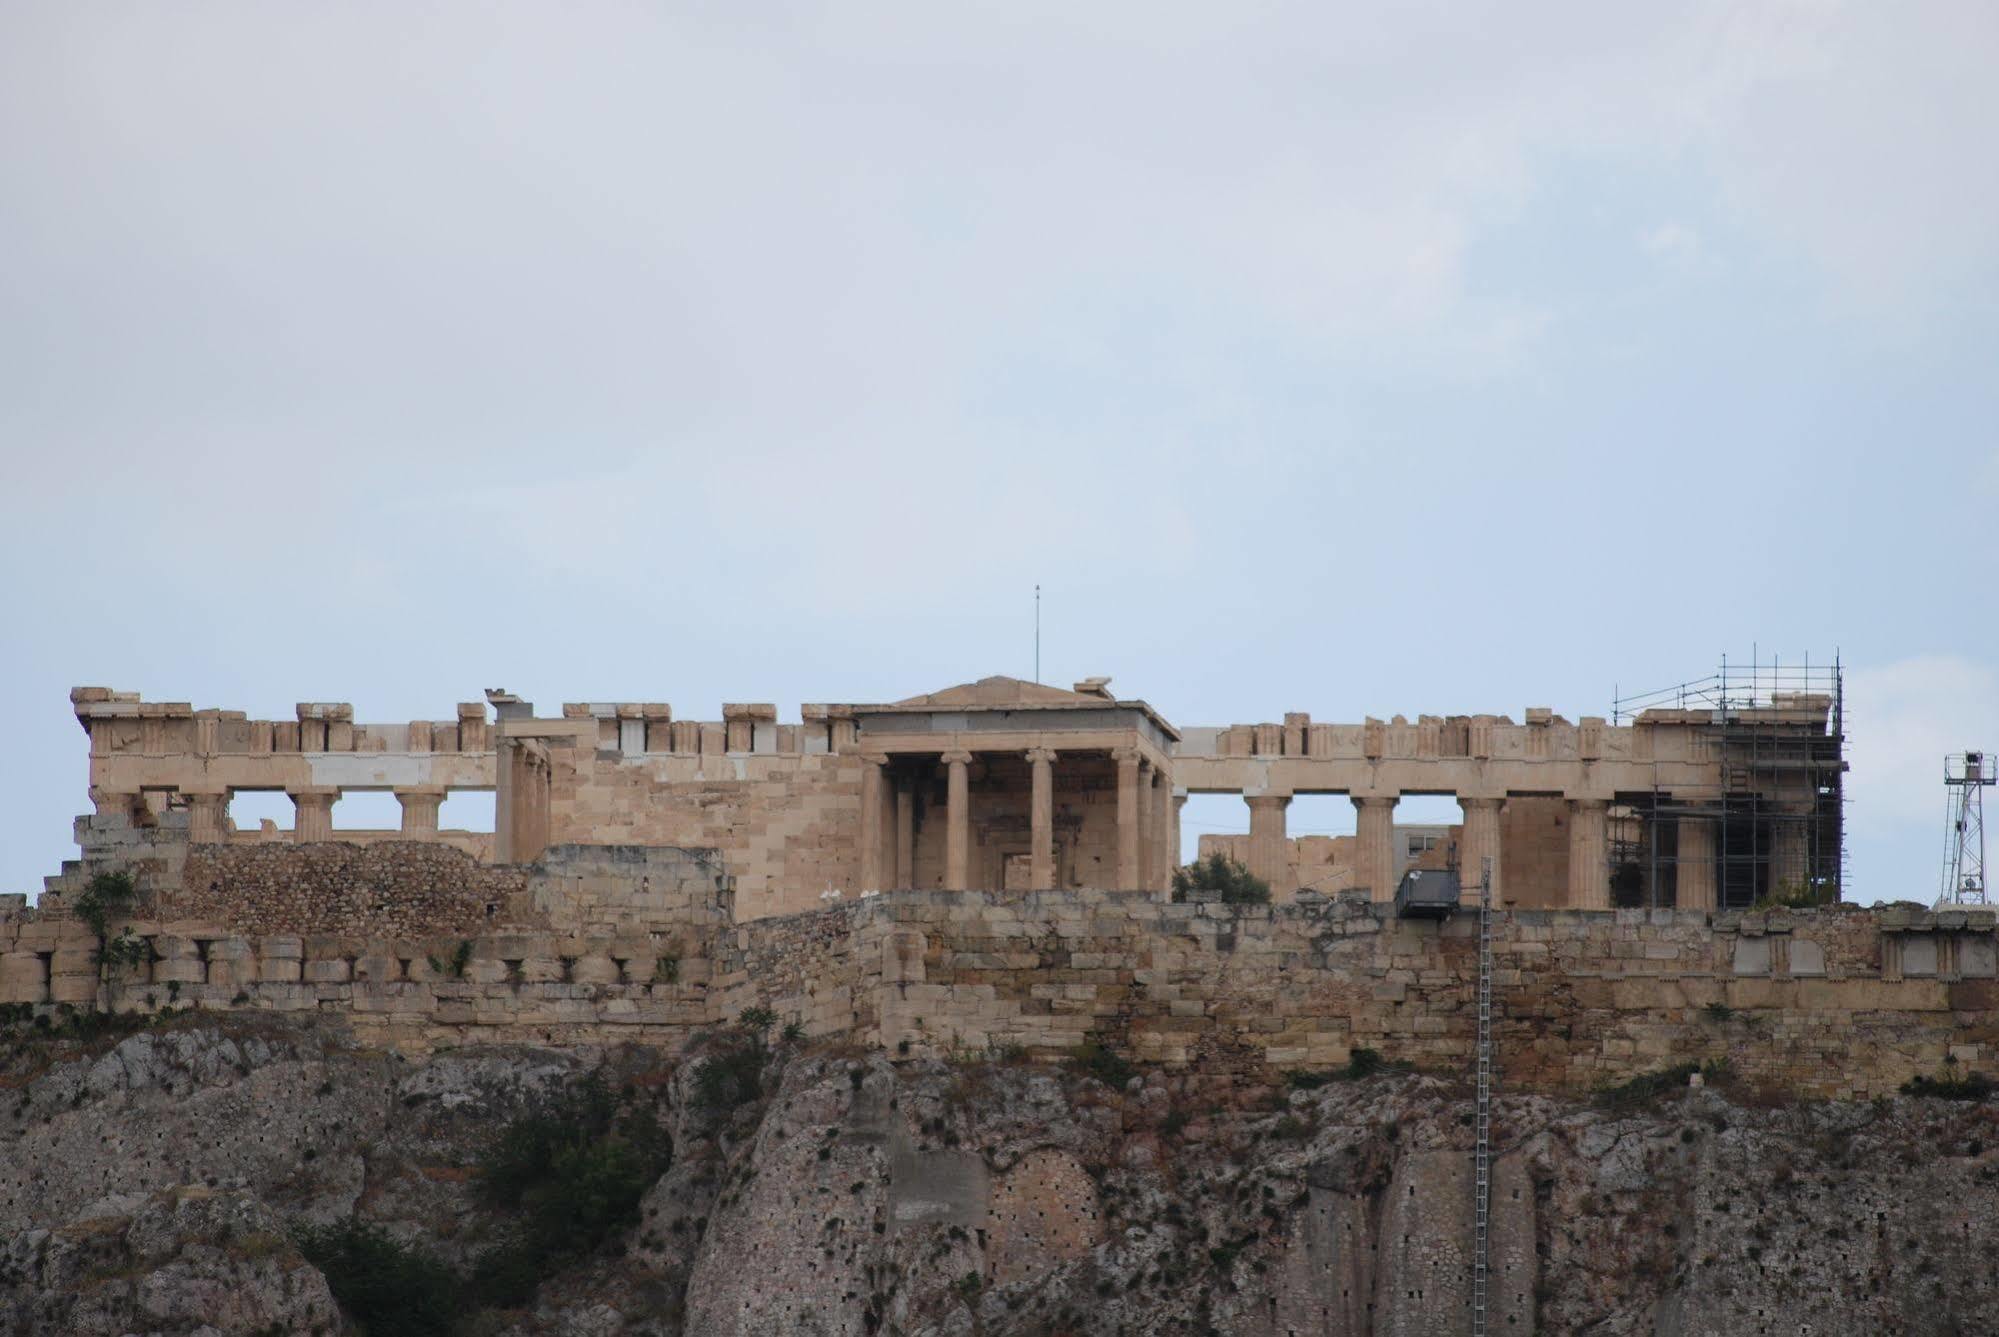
[1002,693]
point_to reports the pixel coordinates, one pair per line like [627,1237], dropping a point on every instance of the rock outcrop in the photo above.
[155,1183]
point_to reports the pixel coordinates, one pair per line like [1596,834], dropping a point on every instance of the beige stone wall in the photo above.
[781,803]
[1534,849]
[1834,1004]
[786,827]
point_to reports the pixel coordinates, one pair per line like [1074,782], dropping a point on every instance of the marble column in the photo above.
[1481,842]
[1693,866]
[905,834]
[1267,847]
[1127,818]
[1790,860]
[1589,854]
[1147,775]
[957,820]
[872,841]
[1374,864]
[1173,838]
[313,819]
[1165,853]
[420,811]
[207,819]
[1041,820]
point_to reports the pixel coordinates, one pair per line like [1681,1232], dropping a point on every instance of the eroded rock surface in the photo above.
[153,1184]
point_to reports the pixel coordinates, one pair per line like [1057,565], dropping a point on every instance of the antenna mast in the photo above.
[1037,633]
[1966,777]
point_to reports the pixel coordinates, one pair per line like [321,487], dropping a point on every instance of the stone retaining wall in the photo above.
[1843,1003]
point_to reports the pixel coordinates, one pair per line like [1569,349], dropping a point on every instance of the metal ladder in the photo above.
[1482,1153]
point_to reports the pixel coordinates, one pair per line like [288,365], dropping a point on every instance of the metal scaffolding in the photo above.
[1482,1143]
[1777,734]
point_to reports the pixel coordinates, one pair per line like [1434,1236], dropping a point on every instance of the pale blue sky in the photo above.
[1412,358]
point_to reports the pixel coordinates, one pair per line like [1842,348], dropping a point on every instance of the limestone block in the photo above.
[595,969]
[279,946]
[24,978]
[328,970]
[73,987]
[170,947]
[1752,956]
[231,974]
[487,970]
[377,969]
[278,970]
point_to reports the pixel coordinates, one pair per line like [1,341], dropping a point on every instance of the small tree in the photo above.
[1221,878]
[103,896]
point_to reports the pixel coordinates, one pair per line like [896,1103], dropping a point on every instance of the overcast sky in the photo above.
[1416,358]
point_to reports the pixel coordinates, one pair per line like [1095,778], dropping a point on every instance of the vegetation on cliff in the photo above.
[1220,878]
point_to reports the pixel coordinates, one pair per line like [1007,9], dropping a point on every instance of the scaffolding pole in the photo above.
[1482,1148]
[1773,816]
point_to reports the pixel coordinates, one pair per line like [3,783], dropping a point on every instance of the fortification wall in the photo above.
[1832,1003]
[787,825]
[388,890]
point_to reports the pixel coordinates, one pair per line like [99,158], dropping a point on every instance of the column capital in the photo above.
[420,791]
[1365,801]
[1267,801]
[1589,804]
[875,758]
[957,758]
[1041,755]
[1121,755]
[313,793]
[1480,802]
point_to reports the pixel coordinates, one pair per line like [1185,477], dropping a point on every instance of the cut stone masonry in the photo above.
[998,783]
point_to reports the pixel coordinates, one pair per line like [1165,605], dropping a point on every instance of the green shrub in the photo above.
[1948,1085]
[1221,878]
[731,1075]
[390,1288]
[105,895]
[1364,1062]
[1361,1062]
[1106,1065]
[1646,1089]
[1798,895]
[505,1275]
[574,1167]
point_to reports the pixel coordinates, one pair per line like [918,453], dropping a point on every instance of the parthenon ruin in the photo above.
[1012,786]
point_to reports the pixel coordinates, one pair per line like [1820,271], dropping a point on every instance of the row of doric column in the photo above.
[208,814]
[1148,823]
[1589,848]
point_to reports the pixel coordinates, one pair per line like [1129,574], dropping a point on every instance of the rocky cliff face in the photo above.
[156,1183]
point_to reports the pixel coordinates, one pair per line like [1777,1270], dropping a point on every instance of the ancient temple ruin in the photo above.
[1013,787]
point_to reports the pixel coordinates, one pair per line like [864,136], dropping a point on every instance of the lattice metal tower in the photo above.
[1966,777]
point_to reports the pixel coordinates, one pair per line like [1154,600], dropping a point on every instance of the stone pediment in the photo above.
[1002,693]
